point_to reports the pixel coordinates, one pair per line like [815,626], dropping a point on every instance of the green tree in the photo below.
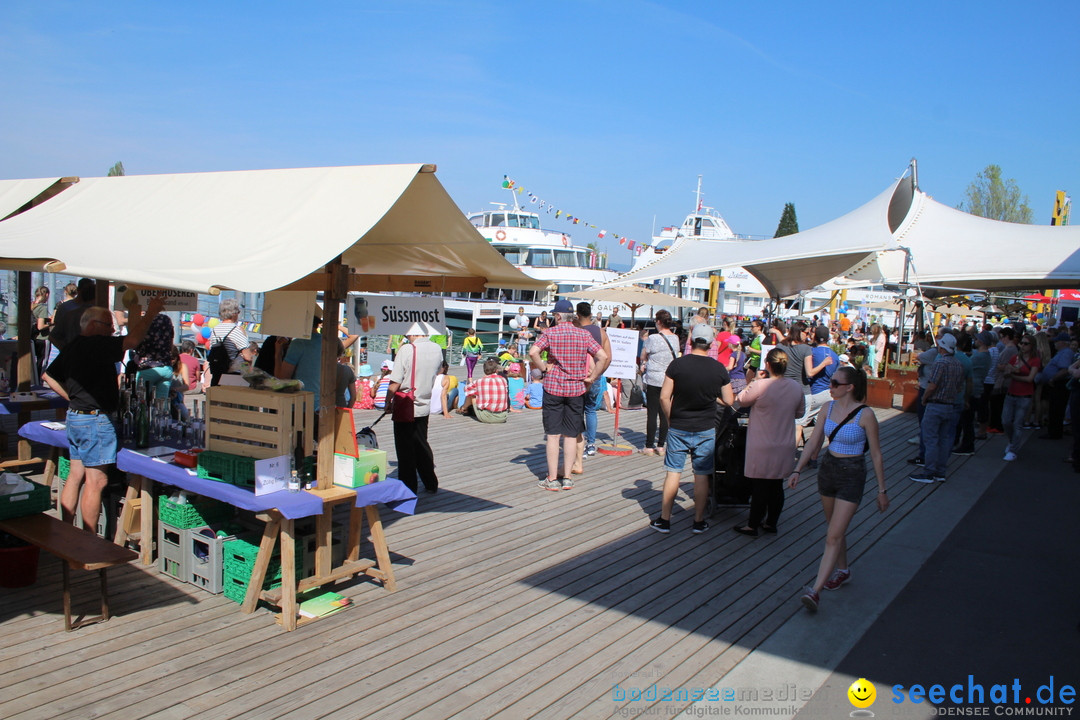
[991,197]
[789,224]
[116,170]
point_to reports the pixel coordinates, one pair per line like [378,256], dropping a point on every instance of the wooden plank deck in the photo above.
[513,602]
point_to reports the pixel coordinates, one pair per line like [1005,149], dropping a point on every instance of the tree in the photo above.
[789,224]
[991,197]
[116,170]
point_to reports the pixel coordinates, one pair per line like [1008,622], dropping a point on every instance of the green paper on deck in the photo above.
[317,603]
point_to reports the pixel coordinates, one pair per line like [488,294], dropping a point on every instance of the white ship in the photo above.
[544,254]
[738,292]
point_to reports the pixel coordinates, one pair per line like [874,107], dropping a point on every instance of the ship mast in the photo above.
[698,194]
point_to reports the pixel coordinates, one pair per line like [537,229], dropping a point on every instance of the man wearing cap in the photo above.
[567,376]
[417,363]
[1056,376]
[693,386]
[944,384]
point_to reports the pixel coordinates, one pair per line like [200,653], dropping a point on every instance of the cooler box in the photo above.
[369,466]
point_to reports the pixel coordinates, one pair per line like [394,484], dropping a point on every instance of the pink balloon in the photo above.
[198,319]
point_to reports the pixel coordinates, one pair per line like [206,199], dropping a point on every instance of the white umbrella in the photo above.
[633,297]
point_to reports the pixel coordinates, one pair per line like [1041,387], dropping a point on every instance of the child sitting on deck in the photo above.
[534,396]
[516,384]
[365,389]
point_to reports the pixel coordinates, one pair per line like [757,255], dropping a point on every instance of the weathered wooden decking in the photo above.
[513,602]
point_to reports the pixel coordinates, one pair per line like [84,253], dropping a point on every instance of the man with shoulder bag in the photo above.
[417,363]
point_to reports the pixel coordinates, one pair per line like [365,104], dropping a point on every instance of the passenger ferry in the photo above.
[742,293]
[540,253]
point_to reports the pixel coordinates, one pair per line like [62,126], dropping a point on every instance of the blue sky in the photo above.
[610,110]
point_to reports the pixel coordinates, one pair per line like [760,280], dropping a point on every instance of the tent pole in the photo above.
[23,321]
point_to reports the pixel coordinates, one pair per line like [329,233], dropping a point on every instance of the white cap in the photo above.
[702,332]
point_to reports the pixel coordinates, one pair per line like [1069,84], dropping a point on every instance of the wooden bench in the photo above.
[76,548]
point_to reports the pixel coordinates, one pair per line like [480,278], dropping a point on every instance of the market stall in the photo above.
[335,230]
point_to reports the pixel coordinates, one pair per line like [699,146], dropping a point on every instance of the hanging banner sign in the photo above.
[624,345]
[125,294]
[393,315]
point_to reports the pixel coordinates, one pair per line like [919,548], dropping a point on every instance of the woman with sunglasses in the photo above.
[1021,372]
[851,426]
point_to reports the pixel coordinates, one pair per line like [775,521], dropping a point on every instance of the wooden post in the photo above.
[337,283]
[23,323]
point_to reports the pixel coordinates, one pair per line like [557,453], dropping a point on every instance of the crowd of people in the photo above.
[785,378]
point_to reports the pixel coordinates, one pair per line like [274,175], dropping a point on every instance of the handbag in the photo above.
[403,408]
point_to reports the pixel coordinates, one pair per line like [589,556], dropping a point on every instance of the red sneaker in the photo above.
[810,599]
[838,578]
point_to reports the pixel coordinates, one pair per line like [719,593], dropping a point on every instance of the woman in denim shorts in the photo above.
[842,474]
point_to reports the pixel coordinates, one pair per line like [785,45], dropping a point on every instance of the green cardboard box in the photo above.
[353,472]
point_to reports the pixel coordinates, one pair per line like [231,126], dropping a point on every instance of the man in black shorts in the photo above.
[566,380]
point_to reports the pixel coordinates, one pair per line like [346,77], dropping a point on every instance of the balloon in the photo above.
[212,322]
[198,319]
[205,332]
[513,323]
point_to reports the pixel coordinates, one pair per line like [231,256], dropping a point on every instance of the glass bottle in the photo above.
[142,423]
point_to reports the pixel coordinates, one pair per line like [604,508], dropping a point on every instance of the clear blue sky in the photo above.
[608,109]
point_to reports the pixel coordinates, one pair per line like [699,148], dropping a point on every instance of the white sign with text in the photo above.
[394,315]
[624,353]
[174,299]
[271,475]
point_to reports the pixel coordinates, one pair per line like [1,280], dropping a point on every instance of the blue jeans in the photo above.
[594,400]
[938,431]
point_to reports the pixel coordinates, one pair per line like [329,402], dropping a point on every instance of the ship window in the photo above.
[511,220]
[706,222]
[533,223]
[498,220]
[566,258]
[540,258]
[512,254]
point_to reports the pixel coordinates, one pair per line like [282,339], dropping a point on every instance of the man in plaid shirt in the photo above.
[945,385]
[567,377]
[487,399]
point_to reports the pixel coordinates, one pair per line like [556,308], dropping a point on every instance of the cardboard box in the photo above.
[367,467]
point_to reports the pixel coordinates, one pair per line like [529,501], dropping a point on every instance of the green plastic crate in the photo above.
[235,588]
[227,467]
[197,512]
[215,466]
[29,502]
[63,467]
[239,557]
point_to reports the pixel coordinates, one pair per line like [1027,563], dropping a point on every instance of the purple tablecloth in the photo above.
[390,492]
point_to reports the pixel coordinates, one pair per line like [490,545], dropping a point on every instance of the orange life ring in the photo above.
[500,235]
[565,241]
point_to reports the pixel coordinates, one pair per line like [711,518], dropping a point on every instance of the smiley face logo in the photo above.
[862,693]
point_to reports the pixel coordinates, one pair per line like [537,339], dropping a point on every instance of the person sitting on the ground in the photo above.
[383,385]
[365,388]
[516,387]
[534,399]
[487,399]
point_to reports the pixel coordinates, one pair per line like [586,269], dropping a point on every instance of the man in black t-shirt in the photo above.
[85,375]
[693,386]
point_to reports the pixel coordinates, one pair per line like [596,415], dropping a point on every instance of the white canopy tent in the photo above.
[870,246]
[394,226]
[785,265]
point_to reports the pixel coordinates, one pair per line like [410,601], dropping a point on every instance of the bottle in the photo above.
[294,482]
[4,384]
[298,453]
[142,424]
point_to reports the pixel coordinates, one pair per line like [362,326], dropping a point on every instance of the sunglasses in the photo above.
[837,383]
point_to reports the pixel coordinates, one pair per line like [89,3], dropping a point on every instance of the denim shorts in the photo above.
[842,478]
[701,445]
[91,439]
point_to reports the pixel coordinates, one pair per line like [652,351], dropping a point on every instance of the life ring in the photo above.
[500,235]
[565,241]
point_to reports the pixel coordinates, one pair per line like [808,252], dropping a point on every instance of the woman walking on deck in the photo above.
[852,428]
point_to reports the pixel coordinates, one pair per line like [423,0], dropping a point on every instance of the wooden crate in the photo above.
[258,423]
